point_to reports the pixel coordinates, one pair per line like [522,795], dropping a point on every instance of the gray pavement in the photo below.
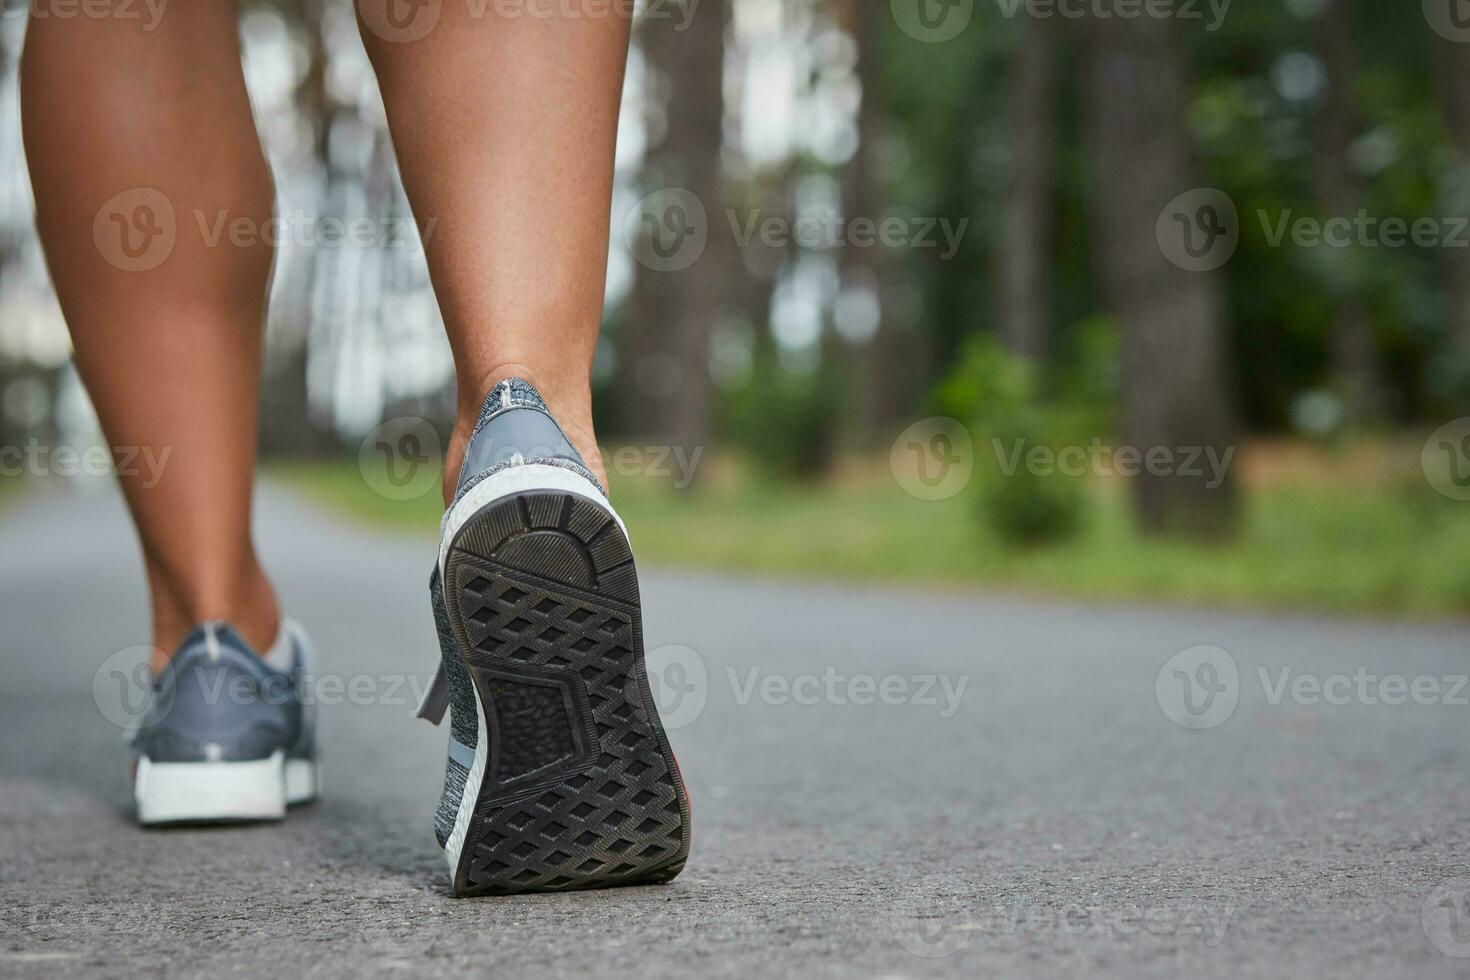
[1056,822]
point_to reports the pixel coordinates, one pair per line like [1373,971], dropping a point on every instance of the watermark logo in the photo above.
[933,458]
[1446,459]
[932,917]
[667,926]
[933,21]
[1450,19]
[122,687]
[1446,918]
[1199,230]
[399,21]
[135,230]
[1198,688]
[401,458]
[679,682]
[668,230]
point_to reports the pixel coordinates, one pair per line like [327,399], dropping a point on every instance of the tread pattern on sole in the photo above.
[580,788]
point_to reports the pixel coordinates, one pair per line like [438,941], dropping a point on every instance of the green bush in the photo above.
[999,396]
[783,421]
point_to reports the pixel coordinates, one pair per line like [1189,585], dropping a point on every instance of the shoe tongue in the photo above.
[511,393]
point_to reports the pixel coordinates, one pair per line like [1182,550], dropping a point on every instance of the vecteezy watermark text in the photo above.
[305,230]
[404,21]
[934,459]
[1193,462]
[1200,687]
[123,688]
[1199,230]
[680,12]
[668,230]
[137,230]
[1213,12]
[1364,230]
[837,688]
[148,13]
[830,229]
[400,459]
[36,459]
[681,687]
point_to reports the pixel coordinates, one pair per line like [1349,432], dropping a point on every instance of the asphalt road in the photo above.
[1046,819]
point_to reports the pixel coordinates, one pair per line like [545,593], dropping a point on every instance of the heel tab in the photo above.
[436,699]
[508,393]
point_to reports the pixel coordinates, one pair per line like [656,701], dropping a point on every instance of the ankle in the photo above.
[569,397]
[248,604]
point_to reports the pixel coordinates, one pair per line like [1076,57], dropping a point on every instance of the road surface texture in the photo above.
[1046,819]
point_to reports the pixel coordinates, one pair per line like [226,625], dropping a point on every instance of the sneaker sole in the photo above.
[302,783]
[574,784]
[210,792]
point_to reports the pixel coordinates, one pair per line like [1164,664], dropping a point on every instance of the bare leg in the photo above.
[504,129]
[170,354]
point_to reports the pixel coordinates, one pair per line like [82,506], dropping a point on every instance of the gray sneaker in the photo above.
[225,736]
[559,775]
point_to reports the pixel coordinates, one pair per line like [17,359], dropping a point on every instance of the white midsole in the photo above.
[517,479]
[175,791]
[301,781]
[455,844]
[511,480]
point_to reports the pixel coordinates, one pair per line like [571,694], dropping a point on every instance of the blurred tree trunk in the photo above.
[287,426]
[1174,376]
[1455,96]
[888,368]
[666,349]
[12,431]
[761,261]
[646,307]
[1025,251]
[12,233]
[1354,352]
[951,299]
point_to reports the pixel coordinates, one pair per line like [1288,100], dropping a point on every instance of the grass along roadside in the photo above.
[1311,537]
[11,489]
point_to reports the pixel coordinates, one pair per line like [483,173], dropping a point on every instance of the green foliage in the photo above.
[1021,494]
[1449,380]
[1370,548]
[783,420]
[1257,138]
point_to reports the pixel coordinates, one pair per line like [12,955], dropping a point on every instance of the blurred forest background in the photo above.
[1060,316]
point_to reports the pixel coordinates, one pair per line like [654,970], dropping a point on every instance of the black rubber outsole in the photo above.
[581,789]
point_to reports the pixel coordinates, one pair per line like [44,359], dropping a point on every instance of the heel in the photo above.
[580,789]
